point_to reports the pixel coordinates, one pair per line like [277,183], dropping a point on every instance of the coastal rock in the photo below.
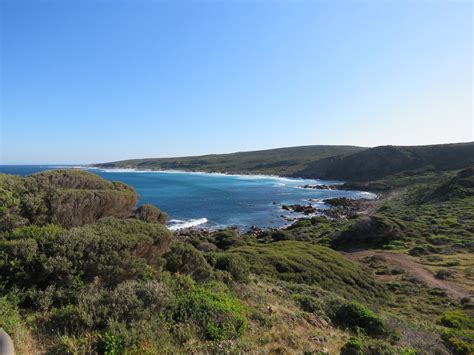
[342,207]
[341,201]
[355,186]
[308,209]
[320,187]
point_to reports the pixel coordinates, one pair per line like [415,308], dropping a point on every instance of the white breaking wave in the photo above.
[178,224]
[237,176]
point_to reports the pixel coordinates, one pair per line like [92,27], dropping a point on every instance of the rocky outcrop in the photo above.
[342,207]
[320,187]
[308,209]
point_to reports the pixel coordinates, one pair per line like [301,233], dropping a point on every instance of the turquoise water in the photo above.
[215,200]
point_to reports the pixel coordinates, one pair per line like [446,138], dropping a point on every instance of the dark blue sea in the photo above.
[213,200]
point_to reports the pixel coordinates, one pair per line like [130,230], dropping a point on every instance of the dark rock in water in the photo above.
[320,187]
[308,209]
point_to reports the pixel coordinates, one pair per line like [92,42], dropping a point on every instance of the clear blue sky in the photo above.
[92,81]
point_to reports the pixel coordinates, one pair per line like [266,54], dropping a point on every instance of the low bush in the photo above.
[309,303]
[218,315]
[355,316]
[352,347]
[444,274]
[70,320]
[234,264]
[185,259]
[373,231]
[460,342]
[280,235]
[151,213]
[456,319]
[227,239]
[9,315]
[367,346]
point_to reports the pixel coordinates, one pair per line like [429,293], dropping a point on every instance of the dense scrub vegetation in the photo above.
[116,280]
[68,198]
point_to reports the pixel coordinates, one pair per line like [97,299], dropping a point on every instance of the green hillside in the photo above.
[378,162]
[282,161]
[328,162]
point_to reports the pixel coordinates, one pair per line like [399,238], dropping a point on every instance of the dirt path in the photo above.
[413,268]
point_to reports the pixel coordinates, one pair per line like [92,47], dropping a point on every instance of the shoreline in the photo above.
[213,173]
[331,212]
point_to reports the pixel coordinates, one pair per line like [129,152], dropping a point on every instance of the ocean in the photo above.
[214,200]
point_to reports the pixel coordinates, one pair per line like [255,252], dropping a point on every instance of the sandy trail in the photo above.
[414,269]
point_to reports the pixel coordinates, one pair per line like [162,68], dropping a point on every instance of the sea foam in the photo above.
[177,224]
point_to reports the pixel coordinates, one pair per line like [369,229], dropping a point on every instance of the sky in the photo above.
[94,81]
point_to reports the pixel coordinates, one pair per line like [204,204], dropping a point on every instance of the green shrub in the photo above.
[9,315]
[151,213]
[109,344]
[74,344]
[456,319]
[460,342]
[186,259]
[70,320]
[354,315]
[363,345]
[309,303]
[235,265]
[219,316]
[352,347]
[227,239]
[280,235]
[111,250]
[150,336]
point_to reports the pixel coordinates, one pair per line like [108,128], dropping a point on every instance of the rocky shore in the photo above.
[340,207]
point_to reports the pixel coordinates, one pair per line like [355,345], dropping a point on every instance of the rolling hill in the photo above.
[349,163]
